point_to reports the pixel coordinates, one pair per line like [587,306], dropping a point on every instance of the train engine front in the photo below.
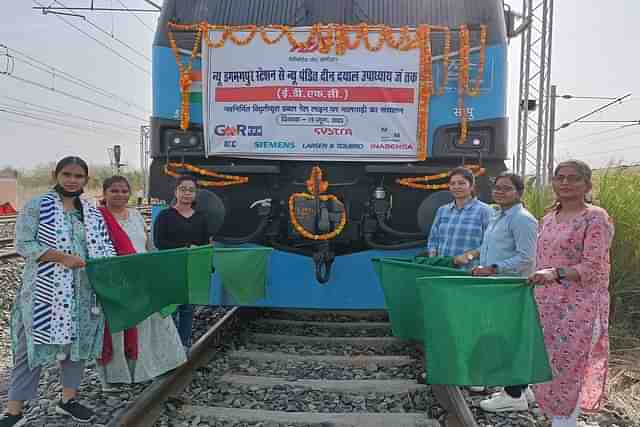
[328,143]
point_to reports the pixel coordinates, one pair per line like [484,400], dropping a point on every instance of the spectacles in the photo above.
[187,189]
[571,179]
[503,189]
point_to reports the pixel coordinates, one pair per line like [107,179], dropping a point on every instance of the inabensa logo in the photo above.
[237,130]
[333,131]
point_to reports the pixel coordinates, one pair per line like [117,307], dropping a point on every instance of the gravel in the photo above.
[320,331]
[7,230]
[41,412]
[324,316]
[333,349]
[10,270]
[207,390]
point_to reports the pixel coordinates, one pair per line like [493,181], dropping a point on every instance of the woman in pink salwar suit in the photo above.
[573,296]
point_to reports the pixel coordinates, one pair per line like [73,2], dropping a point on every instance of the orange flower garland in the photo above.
[426,86]
[185,73]
[417,182]
[463,81]
[315,186]
[483,43]
[225,180]
[445,61]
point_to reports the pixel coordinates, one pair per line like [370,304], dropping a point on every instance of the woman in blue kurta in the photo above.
[55,317]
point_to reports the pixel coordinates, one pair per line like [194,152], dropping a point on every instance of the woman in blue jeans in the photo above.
[182,226]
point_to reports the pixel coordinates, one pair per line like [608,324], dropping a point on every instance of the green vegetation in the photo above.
[38,180]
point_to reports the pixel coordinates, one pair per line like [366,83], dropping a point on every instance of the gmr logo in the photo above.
[237,130]
[333,131]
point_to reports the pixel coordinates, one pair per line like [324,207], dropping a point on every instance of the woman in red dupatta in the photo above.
[153,347]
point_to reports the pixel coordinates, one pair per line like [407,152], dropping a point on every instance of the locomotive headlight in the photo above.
[178,139]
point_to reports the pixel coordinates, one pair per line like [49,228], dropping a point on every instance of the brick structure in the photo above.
[9,188]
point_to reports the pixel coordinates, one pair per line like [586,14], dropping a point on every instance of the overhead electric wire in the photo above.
[48,110]
[609,121]
[41,126]
[152,4]
[619,138]
[591,113]
[103,31]
[591,135]
[53,121]
[77,98]
[58,73]
[48,118]
[147,26]
[114,51]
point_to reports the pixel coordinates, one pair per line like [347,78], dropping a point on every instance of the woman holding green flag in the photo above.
[459,226]
[55,318]
[573,296]
[182,226]
[509,248]
[151,348]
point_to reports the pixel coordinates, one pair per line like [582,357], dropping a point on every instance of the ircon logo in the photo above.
[237,130]
[333,131]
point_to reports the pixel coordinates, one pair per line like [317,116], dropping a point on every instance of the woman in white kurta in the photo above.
[158,344]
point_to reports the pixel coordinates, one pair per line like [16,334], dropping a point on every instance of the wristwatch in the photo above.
[562,273]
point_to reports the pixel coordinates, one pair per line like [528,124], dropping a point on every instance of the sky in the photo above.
[110,88]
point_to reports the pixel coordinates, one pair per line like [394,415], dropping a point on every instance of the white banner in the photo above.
[275,102]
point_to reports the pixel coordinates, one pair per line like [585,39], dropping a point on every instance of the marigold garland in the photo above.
[463,81]
[426,87]
[475,91]
[445,61]
[185,73]
[337,37]
[417,182]
[315,186]
[224,180]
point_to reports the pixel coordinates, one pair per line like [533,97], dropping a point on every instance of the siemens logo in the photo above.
[275,145]
[237,130]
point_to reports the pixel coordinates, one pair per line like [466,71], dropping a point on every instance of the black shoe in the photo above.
[75,410]
[9,420]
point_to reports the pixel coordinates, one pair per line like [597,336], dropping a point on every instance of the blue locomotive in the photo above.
[326,217]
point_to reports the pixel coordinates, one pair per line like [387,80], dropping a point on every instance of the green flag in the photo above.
[398,278]
[243,272]
[482,331]
[133,287]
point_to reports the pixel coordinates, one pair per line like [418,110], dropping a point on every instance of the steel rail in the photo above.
[145,411]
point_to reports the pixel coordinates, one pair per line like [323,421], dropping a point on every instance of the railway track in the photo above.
[7,225]
[293,368]
[8,219]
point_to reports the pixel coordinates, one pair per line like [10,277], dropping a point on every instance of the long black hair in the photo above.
[71,160]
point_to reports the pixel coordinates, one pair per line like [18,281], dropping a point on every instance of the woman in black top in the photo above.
[182,226]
